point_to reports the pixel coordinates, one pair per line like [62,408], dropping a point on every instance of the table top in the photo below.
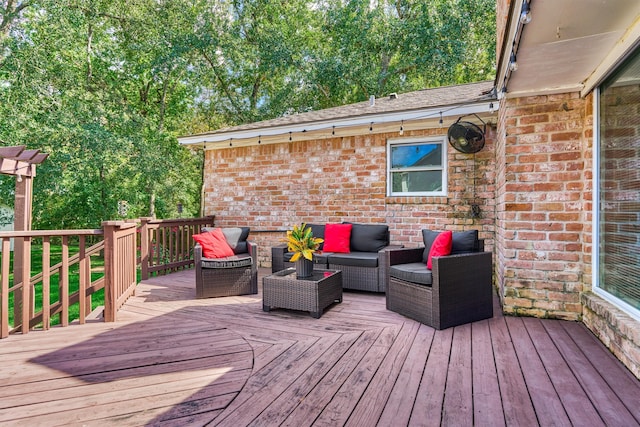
[316,276]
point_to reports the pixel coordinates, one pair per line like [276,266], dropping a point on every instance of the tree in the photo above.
[105,86]
[87,87]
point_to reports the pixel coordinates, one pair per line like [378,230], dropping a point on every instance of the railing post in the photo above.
[63,292]
[82,281]
[4,291]
[109,229]
[119,265]
[144,247]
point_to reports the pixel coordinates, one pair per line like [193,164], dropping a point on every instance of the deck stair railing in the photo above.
[168,246]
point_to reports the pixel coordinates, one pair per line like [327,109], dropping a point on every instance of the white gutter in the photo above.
[511,38]
[374,119]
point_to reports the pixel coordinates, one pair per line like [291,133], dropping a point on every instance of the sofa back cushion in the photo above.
[369,237]
[462,242]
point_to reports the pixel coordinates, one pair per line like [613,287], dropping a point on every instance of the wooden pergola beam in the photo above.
[11,152]
[20,162]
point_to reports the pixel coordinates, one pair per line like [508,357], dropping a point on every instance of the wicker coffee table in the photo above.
[313,294]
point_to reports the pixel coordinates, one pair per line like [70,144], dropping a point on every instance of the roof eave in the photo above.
[344,123]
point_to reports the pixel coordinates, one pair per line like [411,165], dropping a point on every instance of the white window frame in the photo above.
[595,251]
[413,141]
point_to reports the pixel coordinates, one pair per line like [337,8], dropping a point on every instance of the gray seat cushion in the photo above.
[318,258]
[356,259]
[242,260]
[415,272]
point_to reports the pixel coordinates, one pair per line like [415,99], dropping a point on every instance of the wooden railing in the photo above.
[26,314]
[168,246]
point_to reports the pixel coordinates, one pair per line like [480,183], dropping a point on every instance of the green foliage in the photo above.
[106,86]
[301,243]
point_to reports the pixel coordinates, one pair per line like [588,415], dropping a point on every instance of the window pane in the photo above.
[403,156]
[417,181]
[619,185]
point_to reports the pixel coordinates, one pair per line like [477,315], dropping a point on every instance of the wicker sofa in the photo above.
[361,267]
[228,276]
[457,290]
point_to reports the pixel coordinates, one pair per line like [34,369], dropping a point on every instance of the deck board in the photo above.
[171,359]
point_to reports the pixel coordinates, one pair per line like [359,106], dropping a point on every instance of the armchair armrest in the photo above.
[252,248]
[400,255]
[463,288]
[197,254]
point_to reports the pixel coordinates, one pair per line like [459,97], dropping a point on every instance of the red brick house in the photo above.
[557,182]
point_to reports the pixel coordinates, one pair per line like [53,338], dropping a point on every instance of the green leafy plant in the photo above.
[301,242]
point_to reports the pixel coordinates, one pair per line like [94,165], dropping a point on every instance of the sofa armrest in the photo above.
[277,257]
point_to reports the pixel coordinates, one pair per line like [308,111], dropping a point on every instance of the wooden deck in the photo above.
[175,360]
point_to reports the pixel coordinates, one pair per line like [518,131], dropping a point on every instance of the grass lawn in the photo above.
[97,265]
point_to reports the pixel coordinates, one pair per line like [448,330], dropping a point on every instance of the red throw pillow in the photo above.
[337,238]
[213,243]
[441,246]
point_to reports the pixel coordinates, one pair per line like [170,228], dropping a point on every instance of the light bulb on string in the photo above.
[402,127]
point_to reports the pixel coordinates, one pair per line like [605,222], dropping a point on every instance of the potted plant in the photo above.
[302,244]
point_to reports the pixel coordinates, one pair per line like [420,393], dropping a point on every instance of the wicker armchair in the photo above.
[221,277]
[461,289]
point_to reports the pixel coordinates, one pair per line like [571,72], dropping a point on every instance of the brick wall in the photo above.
[272,187]
[543,197]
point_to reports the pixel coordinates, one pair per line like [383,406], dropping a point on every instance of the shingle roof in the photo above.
[444,97]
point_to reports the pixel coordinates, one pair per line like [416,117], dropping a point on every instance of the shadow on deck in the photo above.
[174,360]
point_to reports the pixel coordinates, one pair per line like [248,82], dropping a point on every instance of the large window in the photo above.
[618,191]
[416,167]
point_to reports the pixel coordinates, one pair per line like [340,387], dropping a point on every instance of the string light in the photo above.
[513,64]
[525,15]
[371,124]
